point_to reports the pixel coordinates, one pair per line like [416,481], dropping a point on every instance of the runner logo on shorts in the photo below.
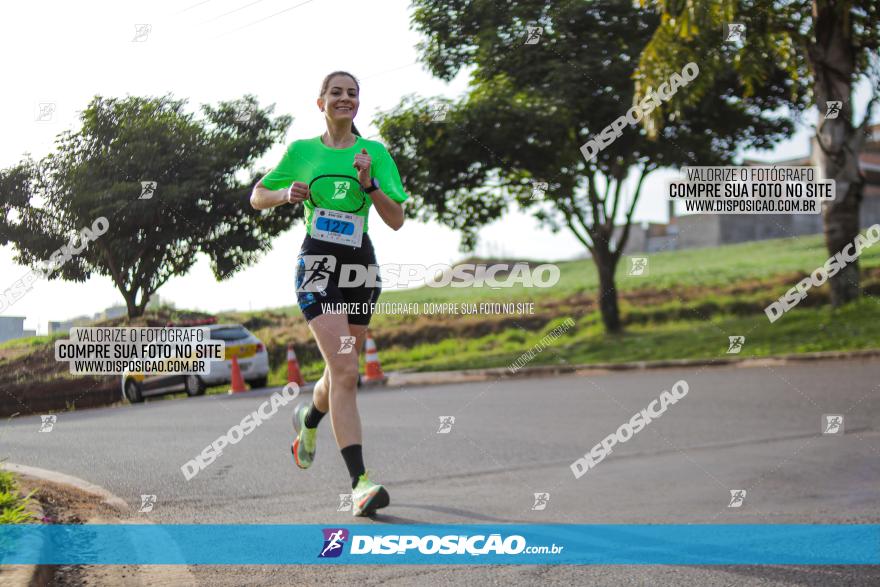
[316,272]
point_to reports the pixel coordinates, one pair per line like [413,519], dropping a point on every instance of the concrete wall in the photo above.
[658,244]
[740,228]
[66,325]
[711,230]
[806,224]
[55,326]
[698,230]
[11,327]
[869,215]
[636,242]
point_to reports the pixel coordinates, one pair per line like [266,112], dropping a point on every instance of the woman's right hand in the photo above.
[298,192]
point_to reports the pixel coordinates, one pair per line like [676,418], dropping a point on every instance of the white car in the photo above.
[253,360]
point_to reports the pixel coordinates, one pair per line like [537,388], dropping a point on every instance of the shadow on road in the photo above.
[387,519]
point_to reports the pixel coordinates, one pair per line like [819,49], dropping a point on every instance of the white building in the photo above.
[12,327]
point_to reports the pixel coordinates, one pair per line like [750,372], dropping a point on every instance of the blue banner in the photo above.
[607,544]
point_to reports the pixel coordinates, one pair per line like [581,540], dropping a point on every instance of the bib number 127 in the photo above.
[337,227]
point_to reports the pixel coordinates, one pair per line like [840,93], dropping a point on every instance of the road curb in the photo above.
[69,480]
[29,574]
[401,379]
[44,574]
[149,574]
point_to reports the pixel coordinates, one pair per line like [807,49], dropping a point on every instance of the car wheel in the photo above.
[194,385]
[258,383]
[133,392]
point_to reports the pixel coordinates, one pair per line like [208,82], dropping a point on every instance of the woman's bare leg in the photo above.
[343,367]
[321,392]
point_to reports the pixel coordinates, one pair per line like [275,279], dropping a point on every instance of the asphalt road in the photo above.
[755,428]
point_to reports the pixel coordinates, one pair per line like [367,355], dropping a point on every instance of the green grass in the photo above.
[12,505]
[32,341]
[673,329]
[663,327]
[800,330]
[707,267]
[803,329]
[689,267]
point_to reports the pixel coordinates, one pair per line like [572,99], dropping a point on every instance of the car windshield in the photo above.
[230,333]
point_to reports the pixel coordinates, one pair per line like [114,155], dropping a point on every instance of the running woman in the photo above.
[337,177]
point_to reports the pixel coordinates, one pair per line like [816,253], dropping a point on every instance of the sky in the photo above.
[64,53]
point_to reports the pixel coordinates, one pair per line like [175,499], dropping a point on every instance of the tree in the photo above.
[199,204]
[530,109]
[824,46]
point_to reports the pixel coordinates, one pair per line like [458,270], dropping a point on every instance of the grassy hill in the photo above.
[685,307]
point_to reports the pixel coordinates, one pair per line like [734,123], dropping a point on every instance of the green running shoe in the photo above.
[303,448]
[367,497]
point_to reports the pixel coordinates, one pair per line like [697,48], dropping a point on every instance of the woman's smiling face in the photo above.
[340,101]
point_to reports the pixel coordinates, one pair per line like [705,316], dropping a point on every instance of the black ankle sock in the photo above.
[313,416]
[354,460]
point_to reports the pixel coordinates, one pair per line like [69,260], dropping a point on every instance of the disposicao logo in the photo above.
[431,544]
[334,540]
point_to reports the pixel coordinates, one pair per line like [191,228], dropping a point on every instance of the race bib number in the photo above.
[334,226]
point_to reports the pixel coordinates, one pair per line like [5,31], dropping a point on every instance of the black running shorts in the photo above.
[318,268]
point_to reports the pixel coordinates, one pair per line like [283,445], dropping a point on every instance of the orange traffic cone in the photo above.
[374,368]
[237,381]
[293,374]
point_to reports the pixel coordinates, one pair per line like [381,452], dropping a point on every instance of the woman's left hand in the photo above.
[362,162]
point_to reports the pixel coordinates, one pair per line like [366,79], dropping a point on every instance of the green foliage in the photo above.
[531,107]
[7,481]
[795,53]
[7,500]
[204,169]
[12,506]
[774,59]
[15,515]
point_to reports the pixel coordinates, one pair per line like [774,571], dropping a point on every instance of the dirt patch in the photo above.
[57,396]
[63,504]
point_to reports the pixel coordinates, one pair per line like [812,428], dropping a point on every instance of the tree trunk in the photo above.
[134,309]
[145,299]
[841,227]
[832,59]
[606,264]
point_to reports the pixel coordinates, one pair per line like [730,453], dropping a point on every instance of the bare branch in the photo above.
[585,239]
[594,200]
[577,235]
[616,203]
[646,169]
